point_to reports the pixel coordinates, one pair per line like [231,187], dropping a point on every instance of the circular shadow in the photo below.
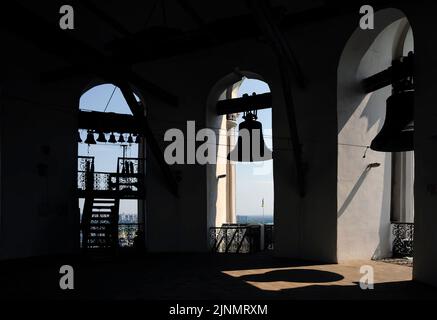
[294,275]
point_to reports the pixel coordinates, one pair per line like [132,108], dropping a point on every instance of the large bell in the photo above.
[397,132]
[250,145]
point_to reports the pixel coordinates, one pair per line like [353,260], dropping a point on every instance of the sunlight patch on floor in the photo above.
[344,274]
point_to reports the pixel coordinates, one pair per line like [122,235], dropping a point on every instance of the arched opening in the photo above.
[374,188]
[240,194]
[111,171]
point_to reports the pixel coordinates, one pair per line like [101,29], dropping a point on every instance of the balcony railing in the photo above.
[403,233]
[128,179]
[235,238]
[127,232]
[96,181]
[268,236]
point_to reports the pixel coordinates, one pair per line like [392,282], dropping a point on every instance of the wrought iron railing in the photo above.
[85,178]
[128,233]
[128,179]
[268,236]
[96,181]
[130,174]
[403,233]
[130,165]
[235,238]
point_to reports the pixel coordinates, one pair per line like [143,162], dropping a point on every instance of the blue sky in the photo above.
[254,180]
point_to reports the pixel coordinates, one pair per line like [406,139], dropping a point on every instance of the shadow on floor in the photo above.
[294,275]
[185,277]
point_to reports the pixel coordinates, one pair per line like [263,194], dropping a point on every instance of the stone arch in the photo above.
[220,193]
[363,190]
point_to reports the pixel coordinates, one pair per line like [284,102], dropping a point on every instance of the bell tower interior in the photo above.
[193,150]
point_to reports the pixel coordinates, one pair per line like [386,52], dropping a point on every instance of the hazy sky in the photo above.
[254,180]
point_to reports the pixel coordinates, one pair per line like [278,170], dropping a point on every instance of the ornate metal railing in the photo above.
[85,179]
[96,181]
[127,233]
[235,238]
[130,174]
[403,233]
[130,165]
[268,236]
[129,177]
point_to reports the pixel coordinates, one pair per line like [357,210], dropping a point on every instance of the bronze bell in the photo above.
[121,138]
[112,138]
[101,138]
[130,140]
[90,138]
[397,133]
[250,145]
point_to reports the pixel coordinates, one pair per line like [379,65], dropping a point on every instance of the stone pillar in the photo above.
[231,123]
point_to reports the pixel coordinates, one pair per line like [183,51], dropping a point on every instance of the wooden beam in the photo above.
[113,23]
[265,20]
[83,59]
[191,12]
[286,66]
[145,46]
[107,71]
[398,71]
[138,112]
[108,122]
[236,105]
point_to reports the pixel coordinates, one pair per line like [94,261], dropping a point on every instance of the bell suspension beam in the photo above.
[138,113]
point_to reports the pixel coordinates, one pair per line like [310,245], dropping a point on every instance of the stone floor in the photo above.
[205,276]
[400,261]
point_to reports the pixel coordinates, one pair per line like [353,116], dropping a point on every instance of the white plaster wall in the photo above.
[217,195]
[363,193]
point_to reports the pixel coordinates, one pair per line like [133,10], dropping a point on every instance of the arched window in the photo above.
[373,187]
[239,193]
[111,169]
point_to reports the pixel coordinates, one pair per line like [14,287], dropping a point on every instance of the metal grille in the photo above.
[403,239]
[235,238]
[127,232]
[268,236]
